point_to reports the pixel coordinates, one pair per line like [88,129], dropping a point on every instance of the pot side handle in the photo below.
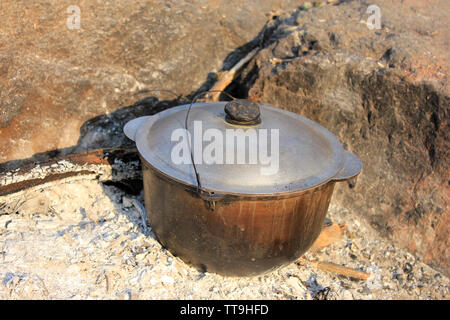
[352,167]
[131,127]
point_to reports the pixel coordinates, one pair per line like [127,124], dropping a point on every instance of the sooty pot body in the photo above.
[235,235]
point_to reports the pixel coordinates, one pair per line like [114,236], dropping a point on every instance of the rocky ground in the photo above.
[80,239]
[383,92]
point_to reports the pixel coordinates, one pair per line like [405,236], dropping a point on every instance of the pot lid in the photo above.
[239,148]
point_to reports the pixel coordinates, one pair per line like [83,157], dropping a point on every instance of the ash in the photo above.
[80,239]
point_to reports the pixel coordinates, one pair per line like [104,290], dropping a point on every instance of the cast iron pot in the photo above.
[229,218]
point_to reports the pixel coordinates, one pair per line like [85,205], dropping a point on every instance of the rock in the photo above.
[54,78]
[384,93]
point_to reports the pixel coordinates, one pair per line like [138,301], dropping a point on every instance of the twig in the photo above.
[103,164]
[328,236]
[228,76]
[335,268]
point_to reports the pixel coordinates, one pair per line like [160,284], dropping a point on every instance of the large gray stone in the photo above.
[53,79]
[385,94]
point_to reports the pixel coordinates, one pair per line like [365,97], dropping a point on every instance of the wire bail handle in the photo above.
[209,197]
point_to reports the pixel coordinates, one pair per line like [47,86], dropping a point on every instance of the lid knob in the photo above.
[242,112]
